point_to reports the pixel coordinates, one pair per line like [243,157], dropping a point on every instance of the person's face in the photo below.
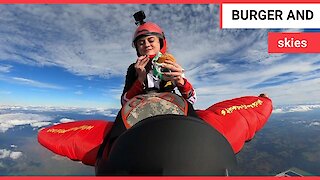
[148,45]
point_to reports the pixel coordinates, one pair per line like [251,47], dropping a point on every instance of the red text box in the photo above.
[304,42]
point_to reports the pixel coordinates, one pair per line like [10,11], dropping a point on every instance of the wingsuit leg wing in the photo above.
[238,119]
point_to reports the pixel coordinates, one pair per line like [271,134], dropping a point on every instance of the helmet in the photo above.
[147,29]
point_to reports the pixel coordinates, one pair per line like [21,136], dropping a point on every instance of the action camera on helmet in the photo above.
[139,17]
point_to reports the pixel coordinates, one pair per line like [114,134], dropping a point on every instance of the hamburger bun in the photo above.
[166,57]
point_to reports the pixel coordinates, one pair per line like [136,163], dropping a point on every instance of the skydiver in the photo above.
[149,40]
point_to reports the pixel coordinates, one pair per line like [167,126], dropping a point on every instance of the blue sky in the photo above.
[77,56]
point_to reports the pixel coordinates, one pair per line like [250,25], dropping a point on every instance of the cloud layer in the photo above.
[37,117]
[5,153]
[296,108]
[8,121]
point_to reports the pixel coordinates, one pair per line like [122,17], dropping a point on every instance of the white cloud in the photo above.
[78,92]
[58,157]
[299,122]
[109,113]
[94,37]
[11,120]
[65,120]
[7,109]
[300,109]
[291,82]
[79,38]
[28,82]
[15,155]
[314,124]
[296,108]
[278,110]
[5,68]
[39,124]
[34,83]
[105,112]
[4,153]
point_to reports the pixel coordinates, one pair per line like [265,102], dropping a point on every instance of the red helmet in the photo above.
[147,29]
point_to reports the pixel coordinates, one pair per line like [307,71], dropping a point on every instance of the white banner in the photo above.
[270,16]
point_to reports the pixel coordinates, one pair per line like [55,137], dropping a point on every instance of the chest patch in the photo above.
[146,105]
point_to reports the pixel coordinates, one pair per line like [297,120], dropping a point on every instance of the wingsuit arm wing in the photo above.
[238,119]
[79,140]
